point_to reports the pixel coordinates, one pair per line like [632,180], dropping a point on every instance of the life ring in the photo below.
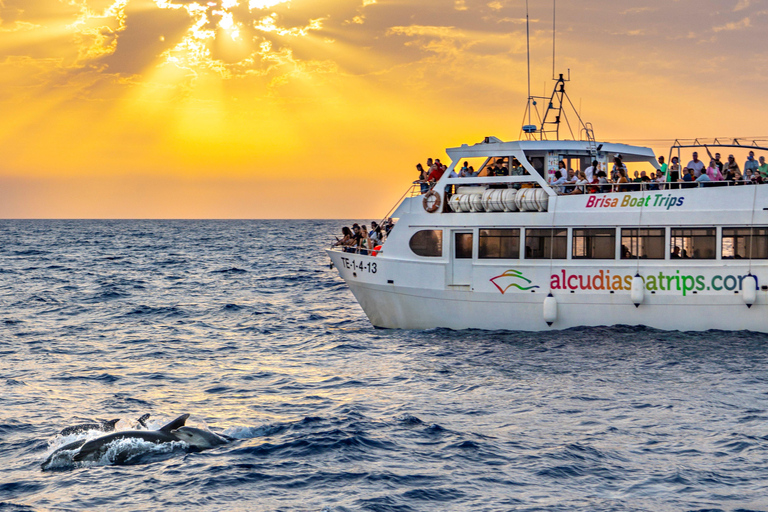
[431,205]
[376,250]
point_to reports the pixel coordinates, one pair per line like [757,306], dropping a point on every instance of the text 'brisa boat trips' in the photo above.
[517,244]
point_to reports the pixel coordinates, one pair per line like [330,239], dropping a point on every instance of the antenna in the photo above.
[528,51]
[554,11]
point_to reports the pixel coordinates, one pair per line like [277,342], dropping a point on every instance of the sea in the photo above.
[244,326]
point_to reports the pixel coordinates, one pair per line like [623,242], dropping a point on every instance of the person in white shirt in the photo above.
[696,164]
[591,171]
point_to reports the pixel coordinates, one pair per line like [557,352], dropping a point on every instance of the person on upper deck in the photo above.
[731,169]
[422,178]
[581,184]
[688,178]
[602,179]
[664,168]
[751,163]
[696,165]
[674,170]
[763,169]
[436,172]
[714,172]
[517,170]
[716,158]
[622,181]
[703,179]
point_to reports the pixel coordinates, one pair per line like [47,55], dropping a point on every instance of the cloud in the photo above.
[734,25]
[742,4]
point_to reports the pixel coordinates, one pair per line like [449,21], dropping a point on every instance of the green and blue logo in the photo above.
[512,279]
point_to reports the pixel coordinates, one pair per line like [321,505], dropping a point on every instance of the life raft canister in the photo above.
[431,205]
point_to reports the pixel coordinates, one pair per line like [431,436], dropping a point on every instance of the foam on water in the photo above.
[243,325]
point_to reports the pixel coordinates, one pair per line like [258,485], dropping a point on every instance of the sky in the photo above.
[322,108]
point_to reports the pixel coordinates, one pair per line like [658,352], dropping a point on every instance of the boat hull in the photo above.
[693,299]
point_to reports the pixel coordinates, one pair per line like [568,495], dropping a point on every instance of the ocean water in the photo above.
[243,325]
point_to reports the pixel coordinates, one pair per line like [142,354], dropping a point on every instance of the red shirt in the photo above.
[435,174]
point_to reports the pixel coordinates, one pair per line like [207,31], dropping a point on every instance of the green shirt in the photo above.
[763,169]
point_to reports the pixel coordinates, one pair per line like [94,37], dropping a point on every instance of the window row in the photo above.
[599,243]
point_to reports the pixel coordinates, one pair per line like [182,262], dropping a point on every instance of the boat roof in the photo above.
[495,147]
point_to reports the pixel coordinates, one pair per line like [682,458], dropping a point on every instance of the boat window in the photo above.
[697,243]
[745,243]
[596,244]
[642,243]
[546,244]
[463,246]
[499,244]
[427,242]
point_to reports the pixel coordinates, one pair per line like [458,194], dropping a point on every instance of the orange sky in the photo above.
[320,109]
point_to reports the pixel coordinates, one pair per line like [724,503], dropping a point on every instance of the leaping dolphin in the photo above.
[94,449]
[102,425]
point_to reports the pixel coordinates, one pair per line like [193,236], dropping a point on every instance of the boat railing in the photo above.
[567,188]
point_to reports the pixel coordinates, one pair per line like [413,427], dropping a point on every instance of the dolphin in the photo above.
[200,439]
[103,425]
[94,449]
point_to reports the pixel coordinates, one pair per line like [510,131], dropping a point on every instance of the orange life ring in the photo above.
[376,250]
[425,202]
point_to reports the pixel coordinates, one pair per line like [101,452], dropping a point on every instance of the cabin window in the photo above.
[596,244]
[696,243]
[745,243]
[463,246]
[501,244]
[642,243]
[427,242]
[546,244]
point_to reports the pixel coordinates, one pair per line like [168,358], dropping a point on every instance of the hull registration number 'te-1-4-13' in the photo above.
[362,266]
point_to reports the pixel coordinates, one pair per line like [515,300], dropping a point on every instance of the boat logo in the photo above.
[507,280]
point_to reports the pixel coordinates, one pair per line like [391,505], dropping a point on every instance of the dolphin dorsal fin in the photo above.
[178,422]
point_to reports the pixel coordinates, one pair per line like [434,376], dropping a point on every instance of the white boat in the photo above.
[497,257]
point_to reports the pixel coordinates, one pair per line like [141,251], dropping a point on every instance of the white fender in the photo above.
[638,290]
[550,309]
[749,290]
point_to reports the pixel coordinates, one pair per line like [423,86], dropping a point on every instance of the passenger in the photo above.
[602,179]
[622,181]
[688,178]
[375,234]
[422,178]
[558,182]
[674,172]
[436,173]
[637,179]
[365,243]
[703,179]
[675,253]
[625,252]
[661,180]
[580,187]
[763,169]
[500,168]
[356,237]
[751,164]
[595,182]
[716,158]
[732,171]
[389,225]
[664,168]
[346,239]
[465,171]
[517,170]
[591,171]
[648,184]
[618,165]
[696,165]
[714,172]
